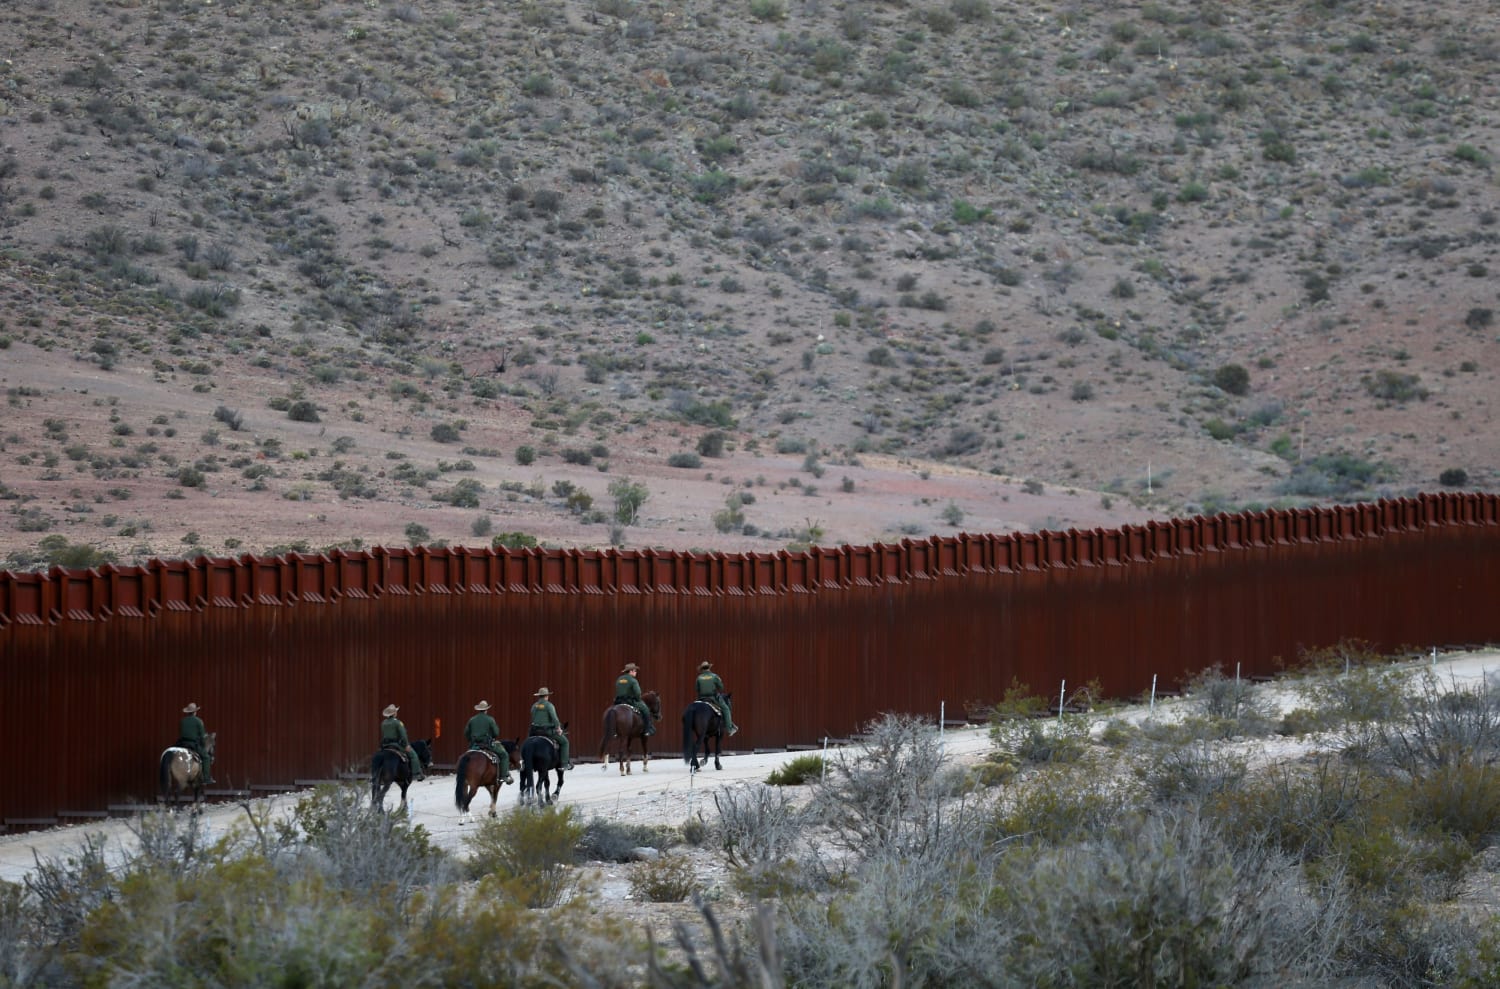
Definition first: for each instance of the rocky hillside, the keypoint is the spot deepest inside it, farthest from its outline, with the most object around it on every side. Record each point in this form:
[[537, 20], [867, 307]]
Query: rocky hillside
[[326, 272]]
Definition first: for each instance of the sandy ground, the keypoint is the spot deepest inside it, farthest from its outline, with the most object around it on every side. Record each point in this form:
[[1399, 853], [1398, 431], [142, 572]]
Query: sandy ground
[[665, 794]]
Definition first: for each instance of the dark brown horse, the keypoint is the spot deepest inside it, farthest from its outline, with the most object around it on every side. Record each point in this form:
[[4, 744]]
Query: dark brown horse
[[475, 772], [623, 725], [702, 723]]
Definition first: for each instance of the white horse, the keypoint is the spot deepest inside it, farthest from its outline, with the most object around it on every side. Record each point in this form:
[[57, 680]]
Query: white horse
[[182, 770]]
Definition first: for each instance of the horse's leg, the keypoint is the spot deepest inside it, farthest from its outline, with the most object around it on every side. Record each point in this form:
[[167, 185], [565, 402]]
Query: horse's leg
[[718, 748], [645, 753]]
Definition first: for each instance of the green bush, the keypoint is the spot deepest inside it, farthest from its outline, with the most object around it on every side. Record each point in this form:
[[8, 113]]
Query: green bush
[[684, 459], [525, 455], [802, 769], [513, 540], [302, 411], [604, 840], [669, 879], [1232, 378], [533, 853]]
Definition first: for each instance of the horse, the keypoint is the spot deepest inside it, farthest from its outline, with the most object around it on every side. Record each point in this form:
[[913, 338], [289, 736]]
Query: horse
[[539, 754], [476, 771], [702, 721], [181, 770], [622, 725], [390, 765]]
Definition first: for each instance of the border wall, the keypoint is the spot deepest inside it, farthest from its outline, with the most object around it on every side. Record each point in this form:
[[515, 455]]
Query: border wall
[[293, 657]]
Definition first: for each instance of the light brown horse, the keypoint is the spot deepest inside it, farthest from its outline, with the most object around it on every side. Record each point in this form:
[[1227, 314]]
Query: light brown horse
[[181, 771], [622, 725]]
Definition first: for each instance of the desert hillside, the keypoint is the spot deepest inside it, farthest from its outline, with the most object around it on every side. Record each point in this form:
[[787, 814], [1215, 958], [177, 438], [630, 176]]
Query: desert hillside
[[733, 276]]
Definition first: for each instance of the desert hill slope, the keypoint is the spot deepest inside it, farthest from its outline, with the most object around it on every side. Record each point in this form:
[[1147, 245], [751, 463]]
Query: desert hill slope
[[733, 276]]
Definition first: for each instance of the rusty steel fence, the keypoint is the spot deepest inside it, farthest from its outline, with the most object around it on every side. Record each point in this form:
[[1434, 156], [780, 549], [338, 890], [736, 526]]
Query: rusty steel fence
[[293, 657]]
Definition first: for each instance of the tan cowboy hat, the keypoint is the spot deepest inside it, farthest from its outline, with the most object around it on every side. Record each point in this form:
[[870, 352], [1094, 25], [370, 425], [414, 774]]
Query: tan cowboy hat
[[705, 666], [482, 706], [191, 709], [629, 668], [544, 692], [390, 710]]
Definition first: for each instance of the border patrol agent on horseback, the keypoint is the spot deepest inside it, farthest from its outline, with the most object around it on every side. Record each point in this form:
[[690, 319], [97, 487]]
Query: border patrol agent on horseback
[[544, 721], [711, 689], [628, 691], [393, 733], [481, 733], [193, 736]]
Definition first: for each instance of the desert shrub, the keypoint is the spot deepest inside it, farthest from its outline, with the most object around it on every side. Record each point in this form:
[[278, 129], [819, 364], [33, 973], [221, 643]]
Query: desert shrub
[[757, 827], [800, 770], [1165, 904], [1192, 773], [685, 459], [1460, 800], [603, 840], [1442, 728], [302, 411], [532, 853], [64, 890], [381, 859], [1042, 740], [513, 540], [711, 443], [669, 879], [525, 455], [1394, 386], [1297, 808], [1066, 805], [889, 792], [445, 432], [1453, 477], [1234, 703], [1232, 378]]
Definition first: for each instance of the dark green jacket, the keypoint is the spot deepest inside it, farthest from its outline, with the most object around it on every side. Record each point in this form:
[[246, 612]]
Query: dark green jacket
[[392, 730], [709, 684], [191, 733], [544, 715], [481, 731], [627, 687]]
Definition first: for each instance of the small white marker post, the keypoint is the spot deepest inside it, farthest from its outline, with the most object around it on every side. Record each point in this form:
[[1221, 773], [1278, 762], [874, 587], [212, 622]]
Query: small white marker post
[[1152, 708], [823, 773], [1062, 692], [942, 724], [1434, 657]]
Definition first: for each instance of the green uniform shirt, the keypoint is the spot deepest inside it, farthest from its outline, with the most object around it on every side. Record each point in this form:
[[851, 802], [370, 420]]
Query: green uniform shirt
[[481, 731], [191, 730], [544, 715], [708, 683], [628, 687], [392, 730]]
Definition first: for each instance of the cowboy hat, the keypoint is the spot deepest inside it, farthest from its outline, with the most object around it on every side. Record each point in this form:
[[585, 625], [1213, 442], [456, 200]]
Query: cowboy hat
[[390, 710], [630, 668], [191, 709], [705, 665], [542, 693], [482, 706]]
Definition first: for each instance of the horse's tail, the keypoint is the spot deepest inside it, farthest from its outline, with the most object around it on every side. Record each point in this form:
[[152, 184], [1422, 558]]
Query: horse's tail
[[165, 772], [461, 784], [688, 744], [608, 733]]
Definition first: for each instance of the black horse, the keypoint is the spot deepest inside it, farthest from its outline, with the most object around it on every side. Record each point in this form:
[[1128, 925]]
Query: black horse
[[390, 765], [700, 723], [539, 755]]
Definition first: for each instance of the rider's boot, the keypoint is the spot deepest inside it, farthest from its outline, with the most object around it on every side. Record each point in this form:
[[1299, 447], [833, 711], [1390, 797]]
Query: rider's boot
[[650, 730]]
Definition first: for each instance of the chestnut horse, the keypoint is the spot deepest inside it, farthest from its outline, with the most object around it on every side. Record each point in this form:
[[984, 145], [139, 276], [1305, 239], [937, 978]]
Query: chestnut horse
[[622, 725]]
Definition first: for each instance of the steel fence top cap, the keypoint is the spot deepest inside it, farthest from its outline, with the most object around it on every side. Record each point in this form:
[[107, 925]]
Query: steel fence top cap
[[390, 710], [544, 692], [482, 706], [191, 709]]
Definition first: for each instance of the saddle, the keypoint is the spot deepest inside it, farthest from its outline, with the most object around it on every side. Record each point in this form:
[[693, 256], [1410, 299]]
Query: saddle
[[546, 733], [492, 757], [395, 747]]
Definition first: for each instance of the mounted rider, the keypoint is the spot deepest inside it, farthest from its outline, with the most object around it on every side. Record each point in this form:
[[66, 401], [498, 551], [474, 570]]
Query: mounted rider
[[393, 735], [628, 691], [545, 722], [711, 689], [193, 736], [481, 733]]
